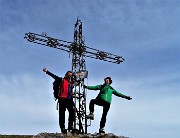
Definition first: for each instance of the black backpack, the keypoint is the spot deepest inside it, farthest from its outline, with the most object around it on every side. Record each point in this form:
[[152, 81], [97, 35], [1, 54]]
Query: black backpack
[[56, 87]]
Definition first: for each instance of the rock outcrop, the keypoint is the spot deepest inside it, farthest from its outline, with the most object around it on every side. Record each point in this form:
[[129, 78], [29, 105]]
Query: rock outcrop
[[73, 135]]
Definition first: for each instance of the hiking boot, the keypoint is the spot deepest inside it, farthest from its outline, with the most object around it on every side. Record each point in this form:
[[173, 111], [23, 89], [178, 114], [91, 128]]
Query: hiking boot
[[64, 131], [70, 128], [101, 130], [90, 116]]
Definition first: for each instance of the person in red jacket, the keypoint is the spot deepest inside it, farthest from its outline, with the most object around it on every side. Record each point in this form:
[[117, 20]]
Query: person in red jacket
[[65, 99]]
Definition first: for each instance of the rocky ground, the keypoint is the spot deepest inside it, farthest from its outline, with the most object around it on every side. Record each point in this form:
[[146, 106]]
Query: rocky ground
[[68, 135]]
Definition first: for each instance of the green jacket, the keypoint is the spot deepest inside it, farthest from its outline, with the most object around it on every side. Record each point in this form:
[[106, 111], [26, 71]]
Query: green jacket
[[106, 92]]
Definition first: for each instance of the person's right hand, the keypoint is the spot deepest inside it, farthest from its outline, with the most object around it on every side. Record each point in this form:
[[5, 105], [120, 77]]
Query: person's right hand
[[85, 86], [44, 69]]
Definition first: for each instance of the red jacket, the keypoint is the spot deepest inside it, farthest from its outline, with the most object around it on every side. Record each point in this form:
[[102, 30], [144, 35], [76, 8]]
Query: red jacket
[[66, 86], [66, 89]]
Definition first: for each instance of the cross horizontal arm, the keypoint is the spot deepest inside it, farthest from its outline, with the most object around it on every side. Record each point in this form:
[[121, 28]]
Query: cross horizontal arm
[[105, 56], [48, 41], [73, 48]]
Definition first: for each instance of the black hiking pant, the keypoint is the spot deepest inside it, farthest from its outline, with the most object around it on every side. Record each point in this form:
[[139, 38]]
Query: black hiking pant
[[106, 107], [68, 104]]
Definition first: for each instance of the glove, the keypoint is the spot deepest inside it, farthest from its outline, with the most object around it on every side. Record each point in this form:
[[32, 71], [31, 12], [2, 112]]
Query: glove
[[128, 97], [85, 86]]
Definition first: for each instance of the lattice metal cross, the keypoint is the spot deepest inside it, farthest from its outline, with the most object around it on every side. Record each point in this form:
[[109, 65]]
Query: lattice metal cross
[[79, 51]]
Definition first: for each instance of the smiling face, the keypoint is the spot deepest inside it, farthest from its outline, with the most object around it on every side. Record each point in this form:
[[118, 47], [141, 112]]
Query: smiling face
[[107, 80], [69, 74]]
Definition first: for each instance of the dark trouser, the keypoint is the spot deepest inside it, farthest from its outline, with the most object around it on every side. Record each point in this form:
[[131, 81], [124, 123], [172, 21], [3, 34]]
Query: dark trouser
[[63, 104], [106, 107]]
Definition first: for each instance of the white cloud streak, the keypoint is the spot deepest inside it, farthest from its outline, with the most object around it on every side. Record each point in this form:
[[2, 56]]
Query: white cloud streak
[[145, 33]]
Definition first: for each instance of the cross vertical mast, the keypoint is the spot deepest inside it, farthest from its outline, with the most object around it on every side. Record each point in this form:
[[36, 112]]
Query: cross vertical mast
[[78, 66]]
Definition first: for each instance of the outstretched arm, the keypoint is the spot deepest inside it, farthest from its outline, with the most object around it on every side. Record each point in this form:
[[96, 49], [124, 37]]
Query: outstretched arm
[[97, 87], [121, 95], [50, 74]]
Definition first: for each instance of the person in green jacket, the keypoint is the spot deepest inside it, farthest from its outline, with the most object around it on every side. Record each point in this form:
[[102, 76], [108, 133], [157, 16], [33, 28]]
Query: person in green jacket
[[103, 99]]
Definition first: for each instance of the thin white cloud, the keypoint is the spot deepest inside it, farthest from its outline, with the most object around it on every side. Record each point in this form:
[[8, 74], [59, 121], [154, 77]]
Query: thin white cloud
[[145, 33], [26, 101]]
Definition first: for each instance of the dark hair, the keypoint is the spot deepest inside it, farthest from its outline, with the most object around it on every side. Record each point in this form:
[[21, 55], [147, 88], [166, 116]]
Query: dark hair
[[67, 73], [109, 78]]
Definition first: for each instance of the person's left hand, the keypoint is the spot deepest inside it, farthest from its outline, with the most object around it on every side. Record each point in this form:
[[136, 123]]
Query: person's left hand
[[128, 97]]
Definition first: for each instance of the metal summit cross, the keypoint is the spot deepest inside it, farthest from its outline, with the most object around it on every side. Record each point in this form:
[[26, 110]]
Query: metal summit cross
[[79, 51]]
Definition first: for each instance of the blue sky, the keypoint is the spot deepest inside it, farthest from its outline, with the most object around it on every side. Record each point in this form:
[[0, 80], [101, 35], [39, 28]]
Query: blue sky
[[145, 32]]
